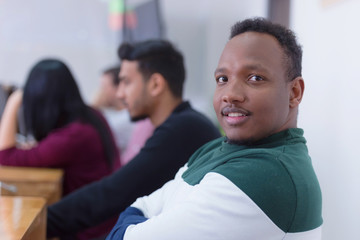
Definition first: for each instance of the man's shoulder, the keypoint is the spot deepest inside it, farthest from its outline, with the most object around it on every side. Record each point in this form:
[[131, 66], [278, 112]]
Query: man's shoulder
[[264, 164], [185, 130], [254, 169], [189, 118]]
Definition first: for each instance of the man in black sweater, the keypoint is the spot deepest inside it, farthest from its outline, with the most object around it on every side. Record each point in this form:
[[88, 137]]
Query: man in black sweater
[[151, 85]]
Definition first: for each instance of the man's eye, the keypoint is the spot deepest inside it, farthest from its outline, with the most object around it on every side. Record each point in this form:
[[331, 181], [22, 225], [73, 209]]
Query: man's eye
[[256, 78], [221, 79]]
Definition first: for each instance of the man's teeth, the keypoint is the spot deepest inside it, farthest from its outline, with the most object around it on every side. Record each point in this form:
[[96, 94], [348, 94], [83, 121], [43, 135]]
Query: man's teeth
[[236, 115]]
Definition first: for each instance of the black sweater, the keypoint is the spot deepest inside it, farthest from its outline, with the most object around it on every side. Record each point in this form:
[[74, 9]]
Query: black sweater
[[170, 147]]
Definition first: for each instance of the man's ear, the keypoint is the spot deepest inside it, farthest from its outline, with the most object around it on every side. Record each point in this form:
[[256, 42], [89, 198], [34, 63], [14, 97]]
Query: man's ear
[[297, 87], [157, 84]]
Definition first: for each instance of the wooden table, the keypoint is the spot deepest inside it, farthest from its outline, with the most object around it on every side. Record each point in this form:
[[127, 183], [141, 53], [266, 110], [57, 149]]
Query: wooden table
[[36, 182], [22, 218]]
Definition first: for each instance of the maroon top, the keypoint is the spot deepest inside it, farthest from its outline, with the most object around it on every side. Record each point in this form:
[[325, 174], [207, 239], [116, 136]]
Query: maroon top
[[75, 148]]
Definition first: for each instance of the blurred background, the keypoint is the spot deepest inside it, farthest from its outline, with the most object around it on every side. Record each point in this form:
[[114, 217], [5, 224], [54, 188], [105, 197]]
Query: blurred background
[[86, 34]]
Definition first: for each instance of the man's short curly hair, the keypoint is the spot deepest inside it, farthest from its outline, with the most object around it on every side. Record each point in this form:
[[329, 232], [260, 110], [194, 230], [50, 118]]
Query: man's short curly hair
[[285, 37]]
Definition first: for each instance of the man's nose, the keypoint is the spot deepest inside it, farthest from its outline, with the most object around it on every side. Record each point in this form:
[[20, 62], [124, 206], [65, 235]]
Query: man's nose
[[120, 91], [234, 92]]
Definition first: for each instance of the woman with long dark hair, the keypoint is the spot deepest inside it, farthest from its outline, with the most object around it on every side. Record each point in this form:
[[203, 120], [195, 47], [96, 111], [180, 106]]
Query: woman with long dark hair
[[68, 133]]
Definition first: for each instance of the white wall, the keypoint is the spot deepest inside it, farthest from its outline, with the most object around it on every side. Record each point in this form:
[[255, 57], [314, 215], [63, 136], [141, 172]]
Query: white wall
[[200, 29], [75, 31], [330, 113]]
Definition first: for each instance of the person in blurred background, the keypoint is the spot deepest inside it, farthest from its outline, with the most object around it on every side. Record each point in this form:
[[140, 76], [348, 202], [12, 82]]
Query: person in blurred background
[[112, 108], [129, 136], [152, 77], [69, 134]]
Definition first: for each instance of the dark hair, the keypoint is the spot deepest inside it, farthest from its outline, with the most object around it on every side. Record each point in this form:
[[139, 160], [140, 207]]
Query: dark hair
[[114, 73], [285, 37], [52, 99], [157, 56]]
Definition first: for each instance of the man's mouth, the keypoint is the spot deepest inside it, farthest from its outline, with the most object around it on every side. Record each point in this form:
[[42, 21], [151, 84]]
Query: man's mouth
[[234, 112], [234, 115]]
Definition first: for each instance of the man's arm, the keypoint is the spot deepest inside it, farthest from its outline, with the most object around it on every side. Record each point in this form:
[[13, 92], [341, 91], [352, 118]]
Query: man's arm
[[158, 161], [129, 217], [213, 209], [105, 199], [151, 205], [163, 154]]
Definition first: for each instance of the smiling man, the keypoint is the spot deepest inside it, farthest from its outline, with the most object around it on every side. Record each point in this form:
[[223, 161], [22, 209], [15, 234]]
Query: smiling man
[[256, 183]]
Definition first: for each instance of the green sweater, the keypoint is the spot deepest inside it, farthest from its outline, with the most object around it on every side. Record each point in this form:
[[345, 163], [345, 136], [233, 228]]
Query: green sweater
[[276, 173], [268, 190]]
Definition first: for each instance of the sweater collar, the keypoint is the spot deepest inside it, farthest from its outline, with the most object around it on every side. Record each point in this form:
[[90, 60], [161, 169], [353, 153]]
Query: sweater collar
[[182, 106], [291, 135]]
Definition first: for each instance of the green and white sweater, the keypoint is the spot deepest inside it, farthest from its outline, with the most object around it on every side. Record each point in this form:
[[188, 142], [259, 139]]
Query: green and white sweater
[[265, 191]]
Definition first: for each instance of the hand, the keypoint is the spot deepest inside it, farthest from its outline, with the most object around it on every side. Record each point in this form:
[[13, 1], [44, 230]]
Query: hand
[[27, 145]]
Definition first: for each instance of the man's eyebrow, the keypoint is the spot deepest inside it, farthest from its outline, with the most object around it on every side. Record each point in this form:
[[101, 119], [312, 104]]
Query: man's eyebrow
[[219, 70], [251, 67], [255, 67]]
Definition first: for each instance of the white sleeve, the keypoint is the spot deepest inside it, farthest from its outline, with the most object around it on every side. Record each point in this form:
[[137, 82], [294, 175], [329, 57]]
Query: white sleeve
[[211, 210], [152, 204]]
